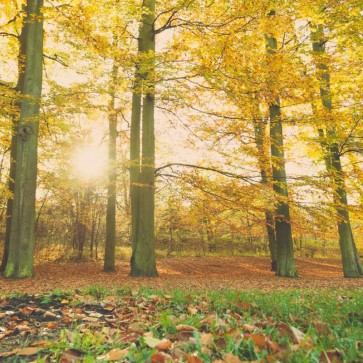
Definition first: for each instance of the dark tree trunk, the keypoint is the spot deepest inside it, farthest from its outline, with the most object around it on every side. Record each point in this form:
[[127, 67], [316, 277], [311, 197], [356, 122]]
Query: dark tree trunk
[[264, 161], [22, 229], [285, 250], [14, 140], [143, 261]]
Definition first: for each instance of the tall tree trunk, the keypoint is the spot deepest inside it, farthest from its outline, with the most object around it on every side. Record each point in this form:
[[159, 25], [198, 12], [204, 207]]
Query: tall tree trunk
[[22, 230], [110, 244], [264, 162], [9, 203], [352, 266], [143, 261], [285, 249], [13, 146], [135, 161]]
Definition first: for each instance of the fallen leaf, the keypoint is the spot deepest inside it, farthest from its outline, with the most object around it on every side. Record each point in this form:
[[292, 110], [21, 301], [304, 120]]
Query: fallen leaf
[[192, 310], [115, 355], [27, 310], [297, 334], [71, 356], [109, 307], [165, 344], [248, 328], [193, 358], [151, 341], [9, 353], [90, 319], [95, 315], [161, 357], [51, 325], [230, 358], [42, 344], [259, 340], [49, 314], [185, 335], [207, 339], [28, 351]]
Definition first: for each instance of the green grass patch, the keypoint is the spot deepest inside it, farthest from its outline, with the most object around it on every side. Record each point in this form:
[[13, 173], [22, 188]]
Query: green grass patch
[[149, 325]]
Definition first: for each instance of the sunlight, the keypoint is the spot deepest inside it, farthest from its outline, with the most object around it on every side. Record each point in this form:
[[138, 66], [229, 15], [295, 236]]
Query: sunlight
[[90, 162]]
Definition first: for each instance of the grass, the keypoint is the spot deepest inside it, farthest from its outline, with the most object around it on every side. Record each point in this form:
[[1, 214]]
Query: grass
[[246, 325]]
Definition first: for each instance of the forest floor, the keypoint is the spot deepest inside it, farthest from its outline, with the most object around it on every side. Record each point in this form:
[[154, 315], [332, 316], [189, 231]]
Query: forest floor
[[200, 310], [195, 273]]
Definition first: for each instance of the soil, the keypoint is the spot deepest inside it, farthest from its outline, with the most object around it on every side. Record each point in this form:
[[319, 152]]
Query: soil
[[197, 273]]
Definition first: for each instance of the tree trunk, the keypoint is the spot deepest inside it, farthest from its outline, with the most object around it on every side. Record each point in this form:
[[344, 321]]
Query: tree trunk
[[143, 261], [22, 229], [285, 250], [352, 266], [110, 244], [13, 146], [264, 162], [9, 203]]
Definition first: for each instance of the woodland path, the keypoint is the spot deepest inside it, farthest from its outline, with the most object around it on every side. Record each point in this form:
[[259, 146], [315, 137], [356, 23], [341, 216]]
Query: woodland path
[[197, 273]]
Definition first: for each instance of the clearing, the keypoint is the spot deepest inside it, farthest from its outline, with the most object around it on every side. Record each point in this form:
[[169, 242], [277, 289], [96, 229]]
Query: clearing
[[196, 273]]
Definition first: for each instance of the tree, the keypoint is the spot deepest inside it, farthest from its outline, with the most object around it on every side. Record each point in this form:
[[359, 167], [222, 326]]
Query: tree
[[19, 263], [142, 175], [264, 161], [13, 147], [285, 250], [352, 266], [110, 243]]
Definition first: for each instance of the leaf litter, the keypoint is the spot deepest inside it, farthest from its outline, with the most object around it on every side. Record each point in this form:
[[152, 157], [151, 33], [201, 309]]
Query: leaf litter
[[132, 325]]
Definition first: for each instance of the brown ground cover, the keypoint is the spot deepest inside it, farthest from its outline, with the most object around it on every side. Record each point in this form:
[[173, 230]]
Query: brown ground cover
[[197, 273]]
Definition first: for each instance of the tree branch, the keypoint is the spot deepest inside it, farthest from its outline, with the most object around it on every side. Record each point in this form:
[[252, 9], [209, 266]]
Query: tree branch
[[225, 173], [56, 59]]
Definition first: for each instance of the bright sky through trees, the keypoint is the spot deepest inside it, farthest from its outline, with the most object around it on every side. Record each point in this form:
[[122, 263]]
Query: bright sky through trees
[[90, 162]]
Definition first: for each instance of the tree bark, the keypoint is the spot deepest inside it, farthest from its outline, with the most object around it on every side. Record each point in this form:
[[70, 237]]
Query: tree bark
[[143, 261], [264, 162], [13, 146], [352, 266], [22, 228], [285, 250], [110, 244]]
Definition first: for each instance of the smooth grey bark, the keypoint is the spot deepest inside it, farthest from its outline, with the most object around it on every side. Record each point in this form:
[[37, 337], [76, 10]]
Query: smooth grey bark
[[285, 249], [110, 243], [352, 266], [264, 161], [143, 262], [22, 230]]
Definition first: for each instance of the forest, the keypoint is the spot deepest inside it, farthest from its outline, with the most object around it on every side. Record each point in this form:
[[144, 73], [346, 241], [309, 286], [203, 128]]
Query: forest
[[208, 143]]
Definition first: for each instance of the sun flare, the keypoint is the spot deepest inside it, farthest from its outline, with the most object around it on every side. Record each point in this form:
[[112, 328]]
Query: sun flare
[[90, 162]]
